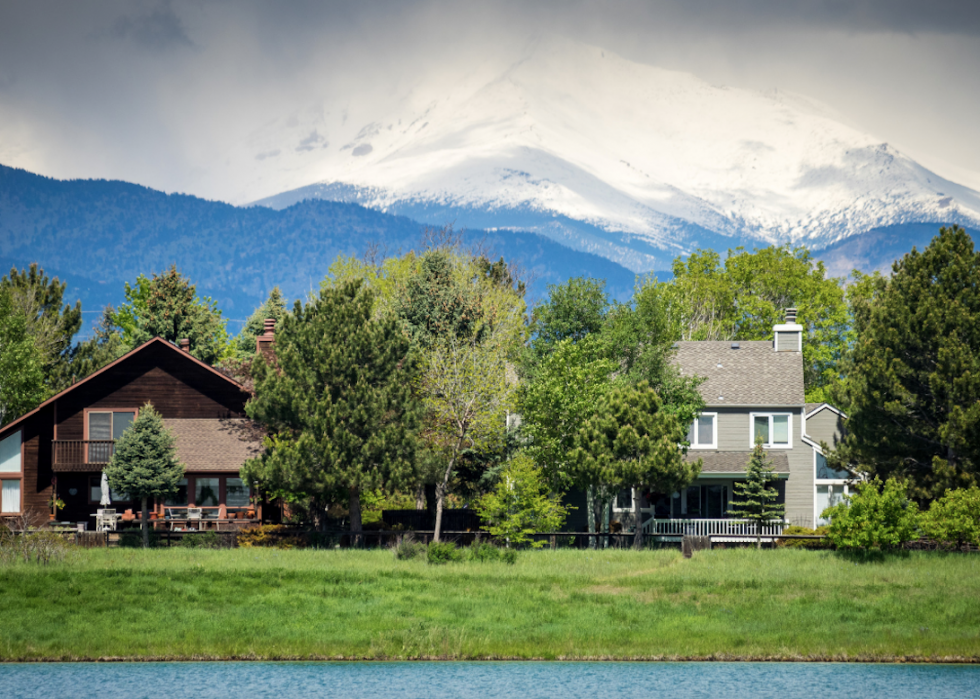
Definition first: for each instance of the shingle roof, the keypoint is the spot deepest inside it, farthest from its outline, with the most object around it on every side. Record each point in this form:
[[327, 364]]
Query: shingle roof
[[214, 445], [734, 461], [754, 374]]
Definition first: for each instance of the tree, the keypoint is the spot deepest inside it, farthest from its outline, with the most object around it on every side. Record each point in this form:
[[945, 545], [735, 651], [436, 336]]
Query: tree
[[52, 326], [754, 499], [273, 307], [467, 394], [954, 519], [144, 463], [22, 385], [876, 518], [914, 374], [339, 399], [167, 306], [573, 310], [521, 504], [629, 441], [105, 346]]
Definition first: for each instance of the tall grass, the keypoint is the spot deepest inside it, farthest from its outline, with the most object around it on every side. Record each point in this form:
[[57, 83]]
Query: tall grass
[[262, 603]]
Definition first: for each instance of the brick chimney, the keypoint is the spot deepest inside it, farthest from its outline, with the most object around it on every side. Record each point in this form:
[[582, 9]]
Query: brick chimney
[[788, 336], [265, 341], [185, 345]]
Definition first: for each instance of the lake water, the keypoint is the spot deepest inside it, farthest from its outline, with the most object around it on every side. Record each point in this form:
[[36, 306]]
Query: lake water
[[514, 680]]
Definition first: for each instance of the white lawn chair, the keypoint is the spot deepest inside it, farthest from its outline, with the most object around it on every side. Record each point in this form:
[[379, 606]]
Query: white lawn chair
[[194, 515], [105, 520]]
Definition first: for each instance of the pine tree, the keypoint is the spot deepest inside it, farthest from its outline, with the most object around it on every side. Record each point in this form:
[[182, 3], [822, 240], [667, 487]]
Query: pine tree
[[755, 499], [340, 402], [273, 307], [144, 463], [914, 375], [631, 442]]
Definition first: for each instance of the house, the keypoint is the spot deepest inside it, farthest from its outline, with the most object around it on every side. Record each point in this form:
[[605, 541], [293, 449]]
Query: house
[[60, 448], [752, 391]]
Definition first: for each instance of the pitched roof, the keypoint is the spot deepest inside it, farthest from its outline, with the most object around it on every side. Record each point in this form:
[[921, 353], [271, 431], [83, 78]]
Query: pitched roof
[[110, 365], [734, 461], [752, 375], [214, 445]]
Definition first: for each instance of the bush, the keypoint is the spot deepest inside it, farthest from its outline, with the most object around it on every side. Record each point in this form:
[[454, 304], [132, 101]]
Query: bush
[[804, 543], [408, 548], [133, 539], [878, 517], [204, 540], [440, 553], [953, 520], [267, 536], [34, 546], [486, 553], [508, 556]]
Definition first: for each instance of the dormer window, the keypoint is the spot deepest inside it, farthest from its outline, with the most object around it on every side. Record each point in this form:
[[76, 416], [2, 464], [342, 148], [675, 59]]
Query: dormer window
[[773, 430], [703, 433]]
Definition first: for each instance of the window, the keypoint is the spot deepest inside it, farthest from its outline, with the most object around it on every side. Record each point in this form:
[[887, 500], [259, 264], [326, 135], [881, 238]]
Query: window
[[827, 496], [826, 473], [773, 430], [206, 492], [95, 492], [180, 498], [831, 487], [10, 454], [703, 432], [106, 426], [236, 493], [10, 501]]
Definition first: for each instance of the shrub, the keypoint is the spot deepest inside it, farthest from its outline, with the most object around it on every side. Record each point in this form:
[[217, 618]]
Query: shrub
[[133, 538], [483, 553], [804, 543], [408, 548], [878, 517], [267, 535], [508, 556], [204, 540], [33, 546], [439, 553], [954, 519]]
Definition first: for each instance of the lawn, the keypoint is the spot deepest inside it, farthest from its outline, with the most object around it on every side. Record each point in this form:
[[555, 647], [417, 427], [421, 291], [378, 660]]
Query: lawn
[[265, 603]]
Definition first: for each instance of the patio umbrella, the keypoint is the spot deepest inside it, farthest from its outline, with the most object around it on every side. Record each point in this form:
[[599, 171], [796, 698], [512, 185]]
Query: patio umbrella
[[105, 501]]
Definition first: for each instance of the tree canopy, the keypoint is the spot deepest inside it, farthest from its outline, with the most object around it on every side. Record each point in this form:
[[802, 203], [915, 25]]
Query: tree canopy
[[274, 307], [22, 385]]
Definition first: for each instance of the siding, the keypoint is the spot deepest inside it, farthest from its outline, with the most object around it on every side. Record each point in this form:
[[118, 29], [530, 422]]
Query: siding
[[826, 426]]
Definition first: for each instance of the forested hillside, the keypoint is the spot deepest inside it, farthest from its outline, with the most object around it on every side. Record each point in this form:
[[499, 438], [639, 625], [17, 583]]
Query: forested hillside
[[96, 234]]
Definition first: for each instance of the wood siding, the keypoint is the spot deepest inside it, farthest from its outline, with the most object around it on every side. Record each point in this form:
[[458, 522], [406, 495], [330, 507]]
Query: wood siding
[[826, 426]]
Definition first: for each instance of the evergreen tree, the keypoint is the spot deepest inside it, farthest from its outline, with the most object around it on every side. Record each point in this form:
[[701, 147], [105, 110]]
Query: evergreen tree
[[755, 499], [631, 442], [273, 307], [144, 463], [105, 346], [167, 306], [914, 374], [339, 399], [51, 325], [22, 385]]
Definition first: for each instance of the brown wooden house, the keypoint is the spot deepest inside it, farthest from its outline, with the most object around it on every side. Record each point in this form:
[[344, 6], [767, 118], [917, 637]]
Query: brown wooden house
[[60, 448]]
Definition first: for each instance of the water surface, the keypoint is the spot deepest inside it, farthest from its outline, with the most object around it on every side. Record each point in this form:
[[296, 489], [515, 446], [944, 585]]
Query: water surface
[[512, 680]]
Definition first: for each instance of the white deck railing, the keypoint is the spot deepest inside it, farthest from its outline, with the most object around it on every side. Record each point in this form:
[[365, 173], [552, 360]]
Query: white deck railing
[[711, 527]]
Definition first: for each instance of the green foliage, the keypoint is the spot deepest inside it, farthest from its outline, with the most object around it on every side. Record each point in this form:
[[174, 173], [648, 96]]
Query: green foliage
[[167, 306], [144, 463], [521, 504], [408, 548], [266, 536], [37, 546], [22, 385], [630, 441], [742, 297], [339, 399], [954, 519], [878, 517], [204, 540], [105, 346], [573, 311], [755, 499], [914, 375], [804, 543], [273, 307], [38, 300], [440, 553]]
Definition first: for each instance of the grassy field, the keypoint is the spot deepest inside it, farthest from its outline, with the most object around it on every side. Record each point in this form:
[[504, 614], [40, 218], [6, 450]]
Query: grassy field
[[262, 603]]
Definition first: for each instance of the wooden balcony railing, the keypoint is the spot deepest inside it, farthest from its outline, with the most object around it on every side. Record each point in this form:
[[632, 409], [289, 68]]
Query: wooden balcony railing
[[74, 454]]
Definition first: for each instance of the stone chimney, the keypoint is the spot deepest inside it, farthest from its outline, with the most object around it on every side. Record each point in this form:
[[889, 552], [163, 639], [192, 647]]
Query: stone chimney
[[788, 336], [264, 342], [185, 345]]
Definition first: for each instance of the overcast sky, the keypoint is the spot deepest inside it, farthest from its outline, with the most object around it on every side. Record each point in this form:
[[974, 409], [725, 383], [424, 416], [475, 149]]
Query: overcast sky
[[157, 92]]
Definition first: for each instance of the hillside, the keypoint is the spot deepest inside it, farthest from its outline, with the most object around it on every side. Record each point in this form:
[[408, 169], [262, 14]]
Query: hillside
[[97, 234]]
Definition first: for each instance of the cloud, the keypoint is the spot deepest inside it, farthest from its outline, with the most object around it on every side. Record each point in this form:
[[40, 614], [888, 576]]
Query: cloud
[[314, 140], [159, 29]]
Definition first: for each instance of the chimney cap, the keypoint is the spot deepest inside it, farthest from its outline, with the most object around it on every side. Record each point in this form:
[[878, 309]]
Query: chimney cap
[[269, 326], [185, 344], [790, 315]]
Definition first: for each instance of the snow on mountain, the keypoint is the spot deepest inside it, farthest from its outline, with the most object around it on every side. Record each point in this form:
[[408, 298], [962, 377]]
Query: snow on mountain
[[627, 160]]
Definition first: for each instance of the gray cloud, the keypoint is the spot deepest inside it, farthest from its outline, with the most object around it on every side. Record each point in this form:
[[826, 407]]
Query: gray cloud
[[110, 89]]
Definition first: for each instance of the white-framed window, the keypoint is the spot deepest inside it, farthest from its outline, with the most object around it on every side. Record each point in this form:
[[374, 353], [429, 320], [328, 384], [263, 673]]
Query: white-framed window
[[703, 433], [10, 466], [774, 430], [830, 487], [10, 498]]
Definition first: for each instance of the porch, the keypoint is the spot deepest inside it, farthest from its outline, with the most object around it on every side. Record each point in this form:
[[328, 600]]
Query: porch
[[734, 530]]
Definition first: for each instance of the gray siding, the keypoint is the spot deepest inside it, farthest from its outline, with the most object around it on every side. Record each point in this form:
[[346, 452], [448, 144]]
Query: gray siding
[[826, 426]]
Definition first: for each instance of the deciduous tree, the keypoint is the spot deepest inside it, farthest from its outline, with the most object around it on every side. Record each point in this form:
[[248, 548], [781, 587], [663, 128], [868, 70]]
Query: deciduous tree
[[22, 385]]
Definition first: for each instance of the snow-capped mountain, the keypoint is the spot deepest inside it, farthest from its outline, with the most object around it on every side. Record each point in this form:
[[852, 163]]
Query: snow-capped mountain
[[630, 161]]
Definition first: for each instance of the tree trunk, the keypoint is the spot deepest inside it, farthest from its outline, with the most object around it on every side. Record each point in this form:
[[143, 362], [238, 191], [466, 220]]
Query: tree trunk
[[758, 534], [441, 489], [420, 497], [354, 506], [606, 515], [590, 506], [637, 524], [146, 524]]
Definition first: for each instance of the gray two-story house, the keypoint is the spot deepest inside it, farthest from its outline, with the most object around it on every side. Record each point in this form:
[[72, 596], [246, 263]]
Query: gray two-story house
[[753, 391]]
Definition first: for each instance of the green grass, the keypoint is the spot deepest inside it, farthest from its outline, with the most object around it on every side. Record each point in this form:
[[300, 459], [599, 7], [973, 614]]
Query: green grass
[[262, 603]]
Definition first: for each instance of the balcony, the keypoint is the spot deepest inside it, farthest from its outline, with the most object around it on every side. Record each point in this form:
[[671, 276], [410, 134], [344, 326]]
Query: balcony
[[81, 454], [722, 529]]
